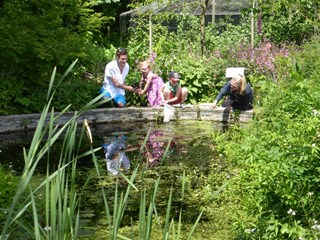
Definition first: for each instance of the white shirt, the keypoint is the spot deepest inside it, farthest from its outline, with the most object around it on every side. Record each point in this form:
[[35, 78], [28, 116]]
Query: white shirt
[[112, 69]]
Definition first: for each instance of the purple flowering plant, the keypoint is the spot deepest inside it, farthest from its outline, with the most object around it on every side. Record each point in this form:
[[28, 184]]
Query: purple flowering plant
[[262, 59]]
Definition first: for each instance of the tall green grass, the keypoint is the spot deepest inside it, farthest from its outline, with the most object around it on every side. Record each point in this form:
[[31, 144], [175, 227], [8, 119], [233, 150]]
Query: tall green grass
[[58, 215]]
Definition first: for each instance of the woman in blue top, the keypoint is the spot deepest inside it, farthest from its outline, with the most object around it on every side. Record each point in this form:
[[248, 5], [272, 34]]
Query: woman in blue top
[[240, 94]]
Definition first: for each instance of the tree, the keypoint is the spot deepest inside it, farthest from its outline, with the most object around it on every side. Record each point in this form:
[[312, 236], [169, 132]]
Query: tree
[[204, 6], [289, 20], [37, 35]]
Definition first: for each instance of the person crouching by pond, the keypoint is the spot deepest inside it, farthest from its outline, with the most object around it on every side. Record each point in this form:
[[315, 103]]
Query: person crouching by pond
[[151, 84], [240, 94], [114, 86], [172, 91]]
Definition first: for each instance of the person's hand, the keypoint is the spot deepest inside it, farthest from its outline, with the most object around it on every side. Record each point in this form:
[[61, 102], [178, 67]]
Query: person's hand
[[132, 89], [214, 104], [115, 81]]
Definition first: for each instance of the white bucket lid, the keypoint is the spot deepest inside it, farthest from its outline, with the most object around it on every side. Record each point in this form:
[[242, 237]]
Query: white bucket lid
[[234, 71]]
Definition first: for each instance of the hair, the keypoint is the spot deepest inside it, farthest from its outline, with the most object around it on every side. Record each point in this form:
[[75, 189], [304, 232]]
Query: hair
[[121, 51], [241, 80], [145, 63]]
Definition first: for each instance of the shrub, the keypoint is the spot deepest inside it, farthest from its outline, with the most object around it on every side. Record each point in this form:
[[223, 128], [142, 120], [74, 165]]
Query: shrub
[[275, 160]]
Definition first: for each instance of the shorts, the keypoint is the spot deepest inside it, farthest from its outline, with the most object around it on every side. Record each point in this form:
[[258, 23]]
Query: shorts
[[177, 101], [118, 98]]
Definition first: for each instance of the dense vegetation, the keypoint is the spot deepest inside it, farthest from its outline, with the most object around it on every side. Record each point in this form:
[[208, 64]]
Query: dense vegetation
[[274, 162], [266, 185], [36, 36]]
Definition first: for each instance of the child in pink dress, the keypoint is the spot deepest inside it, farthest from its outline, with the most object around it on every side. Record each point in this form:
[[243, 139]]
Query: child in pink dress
[[153, 85]]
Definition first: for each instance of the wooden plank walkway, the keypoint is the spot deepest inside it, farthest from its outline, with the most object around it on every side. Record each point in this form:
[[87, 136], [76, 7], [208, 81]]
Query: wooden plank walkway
[[14, 123]]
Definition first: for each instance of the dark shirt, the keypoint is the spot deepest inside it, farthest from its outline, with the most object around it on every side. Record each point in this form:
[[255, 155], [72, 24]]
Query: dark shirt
[[242, 101]]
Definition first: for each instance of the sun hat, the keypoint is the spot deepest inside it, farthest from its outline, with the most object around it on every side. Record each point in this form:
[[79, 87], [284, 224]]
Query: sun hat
[[174, 75]]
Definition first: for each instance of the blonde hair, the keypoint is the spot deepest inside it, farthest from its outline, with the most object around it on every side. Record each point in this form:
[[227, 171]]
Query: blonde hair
[[146, 63], [241, 81]]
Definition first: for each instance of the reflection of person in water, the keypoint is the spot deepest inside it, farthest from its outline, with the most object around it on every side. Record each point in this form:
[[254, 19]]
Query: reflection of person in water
[[116, 158], [155, 147]]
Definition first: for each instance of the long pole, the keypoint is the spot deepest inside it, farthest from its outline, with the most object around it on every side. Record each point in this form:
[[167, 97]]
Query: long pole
[[150, 33], [213, 13], [252, 25]]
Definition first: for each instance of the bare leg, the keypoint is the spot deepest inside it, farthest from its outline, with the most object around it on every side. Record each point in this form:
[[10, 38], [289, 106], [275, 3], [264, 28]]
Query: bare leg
[[184, 94], [120, 105], [166, 94]]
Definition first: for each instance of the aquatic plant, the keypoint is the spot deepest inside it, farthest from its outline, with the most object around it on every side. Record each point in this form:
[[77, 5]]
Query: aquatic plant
[[61, 203], [57, 215]]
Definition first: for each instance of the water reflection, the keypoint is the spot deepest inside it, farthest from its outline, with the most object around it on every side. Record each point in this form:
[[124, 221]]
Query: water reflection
[[156, 145], [179, 135], [116, 157], [169, 149], [152, 149]]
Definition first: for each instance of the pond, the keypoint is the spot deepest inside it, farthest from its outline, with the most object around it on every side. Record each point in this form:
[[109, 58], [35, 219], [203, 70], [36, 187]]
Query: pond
[[169, 152]]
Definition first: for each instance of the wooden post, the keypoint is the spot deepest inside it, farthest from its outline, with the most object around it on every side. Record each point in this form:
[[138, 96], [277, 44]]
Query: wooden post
[[213, 13], [252, 25], [150, 33], [204, 5], [252, 30]]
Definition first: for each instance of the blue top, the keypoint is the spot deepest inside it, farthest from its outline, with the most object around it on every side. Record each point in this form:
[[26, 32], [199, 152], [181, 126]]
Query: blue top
[[242, 101]]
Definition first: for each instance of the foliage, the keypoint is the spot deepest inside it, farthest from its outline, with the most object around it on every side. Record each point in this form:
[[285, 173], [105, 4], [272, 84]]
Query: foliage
[[8, 185], [289, 20], [179, 50], [62, 202], [35, 36], [263, 60], [274, 161], [61, 199]]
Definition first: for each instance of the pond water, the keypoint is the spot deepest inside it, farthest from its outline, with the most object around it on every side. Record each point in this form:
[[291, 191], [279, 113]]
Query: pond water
[[133, 135], [166, 149]]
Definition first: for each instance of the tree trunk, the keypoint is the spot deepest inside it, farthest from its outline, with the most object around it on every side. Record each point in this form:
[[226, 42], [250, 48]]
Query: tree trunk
[[204, 5]]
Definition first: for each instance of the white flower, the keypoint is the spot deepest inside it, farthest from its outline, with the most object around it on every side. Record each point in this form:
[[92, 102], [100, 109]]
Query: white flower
[[316, 227], [310, 194], [291, 212], [313, 145], [47, 228], [315, 112]]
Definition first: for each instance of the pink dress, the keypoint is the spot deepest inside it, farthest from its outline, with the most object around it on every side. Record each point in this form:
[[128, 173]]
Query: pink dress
[[154, 94]]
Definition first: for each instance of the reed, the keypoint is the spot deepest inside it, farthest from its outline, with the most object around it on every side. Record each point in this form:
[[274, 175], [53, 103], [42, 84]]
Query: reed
[[62, 203], [61, 200]]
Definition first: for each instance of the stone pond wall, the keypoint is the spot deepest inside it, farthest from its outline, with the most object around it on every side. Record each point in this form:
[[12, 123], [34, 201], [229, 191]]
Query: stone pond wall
[[26, 122]]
